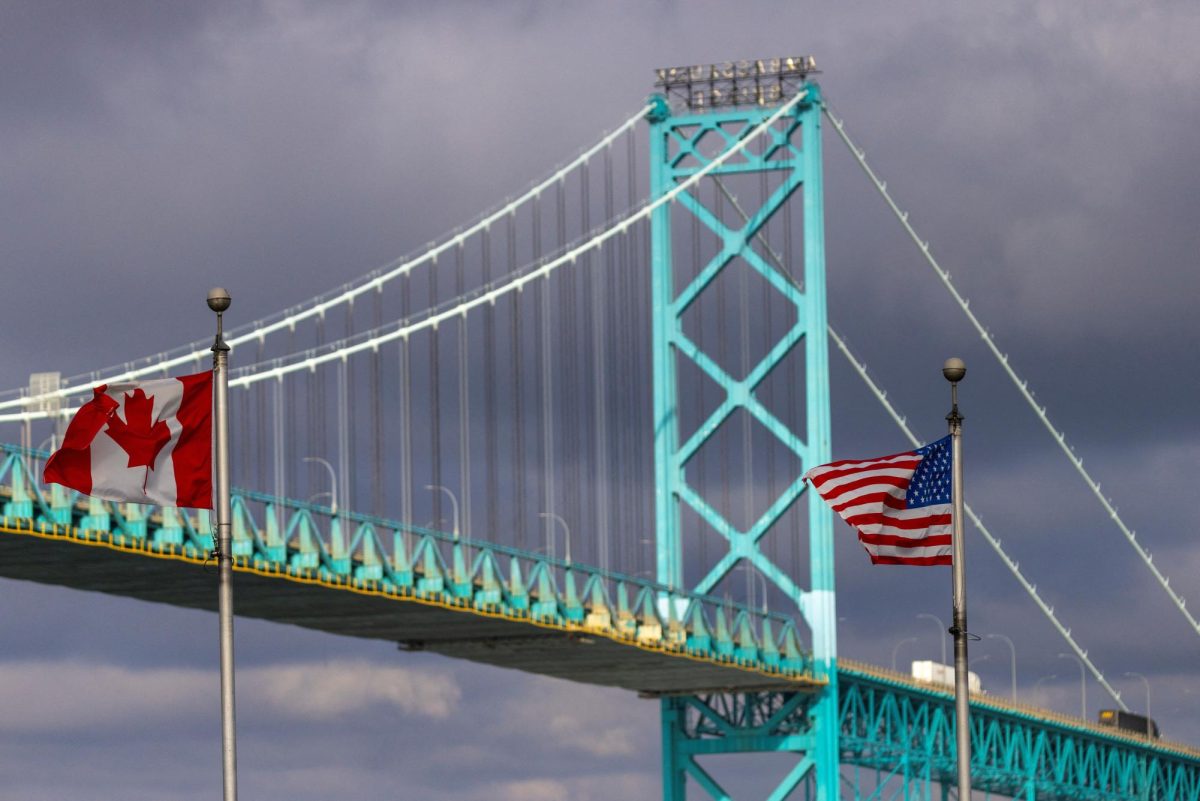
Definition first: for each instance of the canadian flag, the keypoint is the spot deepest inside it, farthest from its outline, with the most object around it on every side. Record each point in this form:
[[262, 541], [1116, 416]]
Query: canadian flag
[[145, 442]]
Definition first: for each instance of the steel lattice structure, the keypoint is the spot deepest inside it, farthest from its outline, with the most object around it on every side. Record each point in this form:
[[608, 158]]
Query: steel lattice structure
[[287, 549], [904, 733], [792, 152]]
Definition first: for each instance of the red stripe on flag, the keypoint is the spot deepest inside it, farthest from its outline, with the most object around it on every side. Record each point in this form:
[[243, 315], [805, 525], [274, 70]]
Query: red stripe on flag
[[923, 561], [192, 456], [932, 541], [907, 524], [868, 481], [885, 498], [868, 464], [878, 472]]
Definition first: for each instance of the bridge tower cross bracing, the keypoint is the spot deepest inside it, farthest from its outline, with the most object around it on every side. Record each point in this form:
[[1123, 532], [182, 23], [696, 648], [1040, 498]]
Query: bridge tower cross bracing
[[802, 723]]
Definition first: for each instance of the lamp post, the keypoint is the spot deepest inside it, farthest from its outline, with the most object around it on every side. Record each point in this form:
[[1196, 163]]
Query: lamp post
[[1146, 682], [550, 534], [749, 569], [1012, 648], [896, 649], [941, 631], [453, 504], [1038, 684], [52, 441], [333, 507], [1082, 684]]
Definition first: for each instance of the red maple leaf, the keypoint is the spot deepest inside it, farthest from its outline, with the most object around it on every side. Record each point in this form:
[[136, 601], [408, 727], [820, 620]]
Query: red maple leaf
[[135, 435]]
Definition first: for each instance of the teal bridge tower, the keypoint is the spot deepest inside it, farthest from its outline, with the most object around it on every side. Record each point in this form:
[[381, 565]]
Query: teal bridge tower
[[715, 108]]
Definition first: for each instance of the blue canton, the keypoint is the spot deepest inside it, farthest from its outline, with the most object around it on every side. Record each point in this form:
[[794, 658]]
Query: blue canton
[[931, 482]]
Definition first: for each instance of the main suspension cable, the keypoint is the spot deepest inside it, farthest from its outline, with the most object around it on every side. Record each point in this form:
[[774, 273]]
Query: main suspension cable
[[1022, 385], [902, 422], [1011, 564], [321, 304]]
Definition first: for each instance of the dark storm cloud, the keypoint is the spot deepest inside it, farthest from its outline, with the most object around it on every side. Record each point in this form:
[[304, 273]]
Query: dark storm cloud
[[1048, 154]]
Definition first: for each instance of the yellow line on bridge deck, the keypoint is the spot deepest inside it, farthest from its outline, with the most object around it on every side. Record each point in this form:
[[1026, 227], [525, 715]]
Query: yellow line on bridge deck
[[1005, 704], [493, 634]]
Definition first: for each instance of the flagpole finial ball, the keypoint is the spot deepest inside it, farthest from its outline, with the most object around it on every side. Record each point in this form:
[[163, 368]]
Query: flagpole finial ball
[[954, 369], [218, 299]]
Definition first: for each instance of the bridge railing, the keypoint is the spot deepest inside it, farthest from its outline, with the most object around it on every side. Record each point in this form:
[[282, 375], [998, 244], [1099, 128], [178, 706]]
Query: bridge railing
[[302, 539], [892, 722]]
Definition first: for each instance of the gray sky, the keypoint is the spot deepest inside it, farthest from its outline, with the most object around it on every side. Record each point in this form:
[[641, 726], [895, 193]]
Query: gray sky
[[1047, 152]]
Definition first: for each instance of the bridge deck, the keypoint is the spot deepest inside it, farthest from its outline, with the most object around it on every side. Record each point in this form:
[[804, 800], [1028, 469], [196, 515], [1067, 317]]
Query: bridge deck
[[985, 702], [493, 633]]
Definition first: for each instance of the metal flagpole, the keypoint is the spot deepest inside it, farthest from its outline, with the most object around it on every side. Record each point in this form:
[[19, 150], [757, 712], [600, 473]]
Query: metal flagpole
[[954, 370], [218, 301]]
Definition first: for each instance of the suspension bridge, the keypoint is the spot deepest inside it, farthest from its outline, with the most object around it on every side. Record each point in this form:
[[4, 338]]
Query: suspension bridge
[[568, 438]]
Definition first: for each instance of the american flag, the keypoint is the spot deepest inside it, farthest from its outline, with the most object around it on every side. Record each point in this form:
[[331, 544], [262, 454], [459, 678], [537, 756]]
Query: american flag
[[900, 504]]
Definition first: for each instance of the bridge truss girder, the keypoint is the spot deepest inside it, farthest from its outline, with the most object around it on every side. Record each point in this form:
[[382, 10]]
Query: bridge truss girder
[[905, 735], [791, 149]]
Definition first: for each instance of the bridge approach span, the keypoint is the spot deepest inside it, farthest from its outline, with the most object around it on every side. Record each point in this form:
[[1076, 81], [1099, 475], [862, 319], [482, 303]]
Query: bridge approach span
[[297, 563]]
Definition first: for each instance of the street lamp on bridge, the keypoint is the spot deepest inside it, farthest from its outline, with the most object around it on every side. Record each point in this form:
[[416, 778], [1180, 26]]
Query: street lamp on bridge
[[896, 649], [1082, 684], [1037, 685], [941, 630], [453, 504], [333, 506], [550, 533], [1146, 682], [1013, 649]]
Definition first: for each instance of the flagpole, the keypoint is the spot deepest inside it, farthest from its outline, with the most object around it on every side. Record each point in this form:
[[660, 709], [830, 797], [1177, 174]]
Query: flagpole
[[953, 371], [218, 301]]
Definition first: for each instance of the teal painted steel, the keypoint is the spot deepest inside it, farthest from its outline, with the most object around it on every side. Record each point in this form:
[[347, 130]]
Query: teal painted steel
[[793, 152], [904, 733], [895, 735], [349, 549]]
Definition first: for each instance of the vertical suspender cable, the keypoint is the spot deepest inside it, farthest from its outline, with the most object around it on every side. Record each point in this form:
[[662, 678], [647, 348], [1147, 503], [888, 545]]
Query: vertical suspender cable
[[491, 478], [406, 461], [518, 428], [435, 406], [292, 433], [246, 440], [793, 379], [748, 494], [643, 422], [280, 464], [636, 435], [601, 293], [723, 360], [622, 370], [319, 412], [347, 491], [769, 339], [260, 427], [584, 466], [542, 375], [343, 439], [568, 398], [376, 390], [548, 465], [464, 401]]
